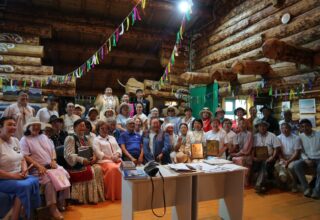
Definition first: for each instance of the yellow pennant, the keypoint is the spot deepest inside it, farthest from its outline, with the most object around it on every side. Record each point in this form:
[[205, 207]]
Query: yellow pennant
[[128, 23], [143, 4]]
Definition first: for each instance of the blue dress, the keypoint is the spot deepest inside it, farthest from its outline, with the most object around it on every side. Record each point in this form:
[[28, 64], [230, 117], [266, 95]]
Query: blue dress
[[27, 190]]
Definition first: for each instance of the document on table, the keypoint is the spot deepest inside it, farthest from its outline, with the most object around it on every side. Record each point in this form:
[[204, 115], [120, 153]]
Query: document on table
[[180, 167], [217, 161], [214, 168]]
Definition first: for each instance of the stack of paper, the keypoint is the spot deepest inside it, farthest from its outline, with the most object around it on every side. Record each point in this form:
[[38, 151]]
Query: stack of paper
[[180, 167], [217, 161]]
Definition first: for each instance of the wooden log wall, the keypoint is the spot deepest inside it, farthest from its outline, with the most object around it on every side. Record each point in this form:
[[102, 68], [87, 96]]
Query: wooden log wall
[[20, 59], [241, 36]]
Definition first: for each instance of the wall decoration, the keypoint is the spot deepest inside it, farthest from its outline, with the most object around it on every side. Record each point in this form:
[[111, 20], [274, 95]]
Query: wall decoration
[[307, 106], [286, 105]]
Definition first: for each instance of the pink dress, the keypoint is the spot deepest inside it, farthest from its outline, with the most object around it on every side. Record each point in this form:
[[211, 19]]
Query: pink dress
[[41, 149]]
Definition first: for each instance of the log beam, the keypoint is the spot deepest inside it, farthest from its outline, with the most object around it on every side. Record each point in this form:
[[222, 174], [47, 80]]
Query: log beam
[[71, 24], [20, 60], [207, 78], [251, 67], [279, 50], [28, 78], [26, 70], [19, 39], [150, 83], [161, 94], [21, 50]]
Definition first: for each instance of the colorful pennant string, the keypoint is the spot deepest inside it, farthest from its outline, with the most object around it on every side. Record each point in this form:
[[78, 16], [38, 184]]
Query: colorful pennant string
[[175, 51], [94, 60]]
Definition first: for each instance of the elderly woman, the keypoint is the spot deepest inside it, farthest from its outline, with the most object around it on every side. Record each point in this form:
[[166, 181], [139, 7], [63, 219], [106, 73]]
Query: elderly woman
[[126, 99], [182, 148], [154, 113], [109, 155], [39, 150], [109, 113], [93, 114], [123, 116], [14, 180], [86, 176], [243, 156], [169, 129]]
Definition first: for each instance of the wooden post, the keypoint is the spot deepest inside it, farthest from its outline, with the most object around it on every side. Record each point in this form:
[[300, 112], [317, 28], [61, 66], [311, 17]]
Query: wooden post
[[279, 50]]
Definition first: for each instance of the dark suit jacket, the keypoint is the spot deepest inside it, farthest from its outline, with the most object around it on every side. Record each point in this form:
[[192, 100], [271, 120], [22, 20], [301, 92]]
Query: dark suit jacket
[[161, 144]]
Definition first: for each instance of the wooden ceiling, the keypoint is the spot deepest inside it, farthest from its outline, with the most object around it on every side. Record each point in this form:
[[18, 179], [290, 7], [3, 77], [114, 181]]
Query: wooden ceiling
[[79, 27]]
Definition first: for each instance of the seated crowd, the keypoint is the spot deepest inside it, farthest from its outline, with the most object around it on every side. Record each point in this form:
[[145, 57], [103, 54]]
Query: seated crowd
[[88, 150]]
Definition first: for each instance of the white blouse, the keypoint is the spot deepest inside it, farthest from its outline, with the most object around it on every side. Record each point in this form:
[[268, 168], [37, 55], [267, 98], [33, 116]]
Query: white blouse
[[10, 155], [107, 146]]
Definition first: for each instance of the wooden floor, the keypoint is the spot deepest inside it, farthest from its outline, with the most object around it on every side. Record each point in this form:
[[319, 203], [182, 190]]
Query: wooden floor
[[275, 205]]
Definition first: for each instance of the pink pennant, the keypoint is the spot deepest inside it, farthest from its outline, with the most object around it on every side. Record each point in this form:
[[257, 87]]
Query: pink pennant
[[117, 35], [136, 14]]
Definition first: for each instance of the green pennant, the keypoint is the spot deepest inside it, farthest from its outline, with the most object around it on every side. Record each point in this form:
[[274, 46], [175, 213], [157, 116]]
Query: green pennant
[[188, 15], [133, 20], [172, 59], [114, 43], [178, 38], [270, 91], [88, 65]]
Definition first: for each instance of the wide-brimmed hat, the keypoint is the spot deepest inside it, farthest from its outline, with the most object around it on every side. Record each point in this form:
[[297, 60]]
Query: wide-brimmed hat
[[240, 108], [83, 109], [181, 157], [109, 110], [260, 121], [154, 110], [93, 109], [54, 118], [123, 104], [32, 121], [219, 109], [205, 109], [165, 111], [47, 126], [266, 107], [168, 125]]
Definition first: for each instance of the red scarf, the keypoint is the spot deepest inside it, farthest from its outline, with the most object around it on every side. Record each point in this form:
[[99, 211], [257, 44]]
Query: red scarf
[[206, 124]]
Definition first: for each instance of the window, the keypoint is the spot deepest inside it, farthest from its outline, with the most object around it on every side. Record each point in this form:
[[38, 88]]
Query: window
[[231, 105]]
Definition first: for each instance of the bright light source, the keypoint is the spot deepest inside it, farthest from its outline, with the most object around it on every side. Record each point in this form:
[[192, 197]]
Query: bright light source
[[185, 6]]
